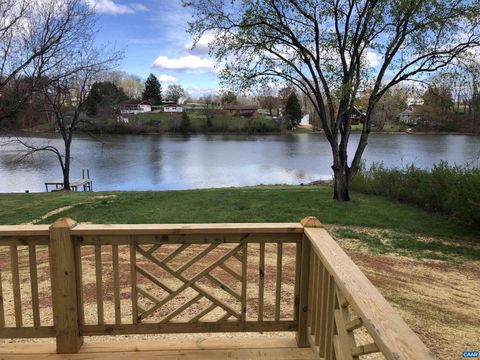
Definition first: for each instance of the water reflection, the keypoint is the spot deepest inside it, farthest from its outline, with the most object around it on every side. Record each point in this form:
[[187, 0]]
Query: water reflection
[[151, 162]]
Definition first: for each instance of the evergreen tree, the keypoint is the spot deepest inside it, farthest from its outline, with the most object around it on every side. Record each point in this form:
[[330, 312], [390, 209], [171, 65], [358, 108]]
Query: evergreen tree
[[229, 98], [153, 90], [104, 98], [293, 110]]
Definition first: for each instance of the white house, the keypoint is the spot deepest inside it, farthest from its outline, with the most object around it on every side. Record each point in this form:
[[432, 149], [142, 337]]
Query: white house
[[409, 117], [172, 109], [142, 107]]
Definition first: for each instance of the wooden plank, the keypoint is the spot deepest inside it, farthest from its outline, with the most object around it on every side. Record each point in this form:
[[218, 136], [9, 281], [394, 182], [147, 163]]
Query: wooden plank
[[190, 342], [99, 284], [365, 349], [224, 286], [17, 299], [153, 279], [180, 229], [231, 272], [32, 257], [344, 340], [27, 333], [310, 289], [305, 292], [392, 335], [236, 354], [261, 281], [322, 307], [133, 281], [244, 282], [354, 324], [149, 296], [64, 288], [79, 283], [203, 313], [278, 282], [116, 285], [197, 327], [181, 308], [174, 253], [197, 258], [24, 230], [190, 239], [23, 240], [154, 248], [2, 310], [316, 294], [330, 318], [298, 267]]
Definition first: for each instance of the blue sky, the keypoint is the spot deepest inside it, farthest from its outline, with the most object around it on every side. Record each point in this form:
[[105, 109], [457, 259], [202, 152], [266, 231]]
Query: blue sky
[[153, 34]]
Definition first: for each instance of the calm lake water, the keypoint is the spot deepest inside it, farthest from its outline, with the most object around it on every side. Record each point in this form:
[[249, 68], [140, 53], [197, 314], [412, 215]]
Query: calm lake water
[[155, 162]]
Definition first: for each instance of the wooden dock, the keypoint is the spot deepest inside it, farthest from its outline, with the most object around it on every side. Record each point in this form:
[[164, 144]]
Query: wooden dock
[[74, 184]]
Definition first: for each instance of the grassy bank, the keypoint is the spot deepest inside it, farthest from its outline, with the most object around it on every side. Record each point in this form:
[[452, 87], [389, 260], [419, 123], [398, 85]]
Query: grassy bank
[[158, 122], [403, 227], [448, 189]]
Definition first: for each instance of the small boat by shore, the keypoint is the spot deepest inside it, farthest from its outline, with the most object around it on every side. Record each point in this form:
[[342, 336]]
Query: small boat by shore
[[409, 131]]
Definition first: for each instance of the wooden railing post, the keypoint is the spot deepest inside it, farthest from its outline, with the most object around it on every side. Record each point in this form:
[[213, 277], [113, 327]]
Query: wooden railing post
[[64, 292], [303, 306]]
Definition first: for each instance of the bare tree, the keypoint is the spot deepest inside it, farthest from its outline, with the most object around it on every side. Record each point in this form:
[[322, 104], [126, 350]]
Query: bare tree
[[65, 88], [333, 50], [34, 35], [267, 98]]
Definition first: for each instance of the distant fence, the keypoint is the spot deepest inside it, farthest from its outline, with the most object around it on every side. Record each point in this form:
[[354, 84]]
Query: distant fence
[[150, 279]]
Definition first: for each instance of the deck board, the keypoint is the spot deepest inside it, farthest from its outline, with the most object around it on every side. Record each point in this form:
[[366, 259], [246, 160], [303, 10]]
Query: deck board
[[194, 347]]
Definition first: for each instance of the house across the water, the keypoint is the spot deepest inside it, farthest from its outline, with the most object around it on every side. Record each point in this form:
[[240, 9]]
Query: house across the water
[[172, 108], [410, 117], [357, 116], [142, 107], [240, 110]]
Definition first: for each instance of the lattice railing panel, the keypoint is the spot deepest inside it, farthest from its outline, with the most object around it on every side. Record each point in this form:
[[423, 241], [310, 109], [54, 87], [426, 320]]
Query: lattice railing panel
[[187, 283], [179, 283]]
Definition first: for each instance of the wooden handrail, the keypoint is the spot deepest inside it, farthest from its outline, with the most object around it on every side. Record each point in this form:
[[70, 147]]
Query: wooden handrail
[[187, 229], [390, 333]]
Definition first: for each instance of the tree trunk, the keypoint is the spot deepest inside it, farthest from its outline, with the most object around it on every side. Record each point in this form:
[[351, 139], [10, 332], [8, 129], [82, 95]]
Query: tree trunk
[[66, 168], [341, 179]]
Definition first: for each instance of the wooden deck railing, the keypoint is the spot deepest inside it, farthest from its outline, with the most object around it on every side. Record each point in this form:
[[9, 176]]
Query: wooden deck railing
[[150, 279]]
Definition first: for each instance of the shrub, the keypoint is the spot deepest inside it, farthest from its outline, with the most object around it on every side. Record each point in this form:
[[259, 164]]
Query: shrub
[[185, 123], [447, 189]]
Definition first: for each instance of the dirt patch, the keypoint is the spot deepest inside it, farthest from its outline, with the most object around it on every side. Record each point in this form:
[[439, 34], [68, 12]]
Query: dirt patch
[[65, 208], [439, 300]]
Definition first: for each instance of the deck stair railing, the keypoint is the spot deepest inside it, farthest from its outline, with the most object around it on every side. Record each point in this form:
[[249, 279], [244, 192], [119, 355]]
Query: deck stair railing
[[71, 280]]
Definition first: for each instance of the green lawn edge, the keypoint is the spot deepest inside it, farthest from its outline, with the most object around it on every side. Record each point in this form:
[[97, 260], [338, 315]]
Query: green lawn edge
[[220, 205]]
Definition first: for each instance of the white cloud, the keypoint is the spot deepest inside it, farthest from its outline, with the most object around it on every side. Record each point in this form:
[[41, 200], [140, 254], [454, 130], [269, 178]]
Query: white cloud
[[202, 44], [373, 58], [197, 91], [167, 79], [189, 62], [110, 7]]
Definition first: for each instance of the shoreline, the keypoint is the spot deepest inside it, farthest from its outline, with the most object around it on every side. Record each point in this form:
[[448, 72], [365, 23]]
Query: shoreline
[[298, 131]]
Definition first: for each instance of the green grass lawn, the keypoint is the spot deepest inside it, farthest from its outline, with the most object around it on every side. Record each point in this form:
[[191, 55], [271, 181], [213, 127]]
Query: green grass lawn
[[250, 204], [379, 224]]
